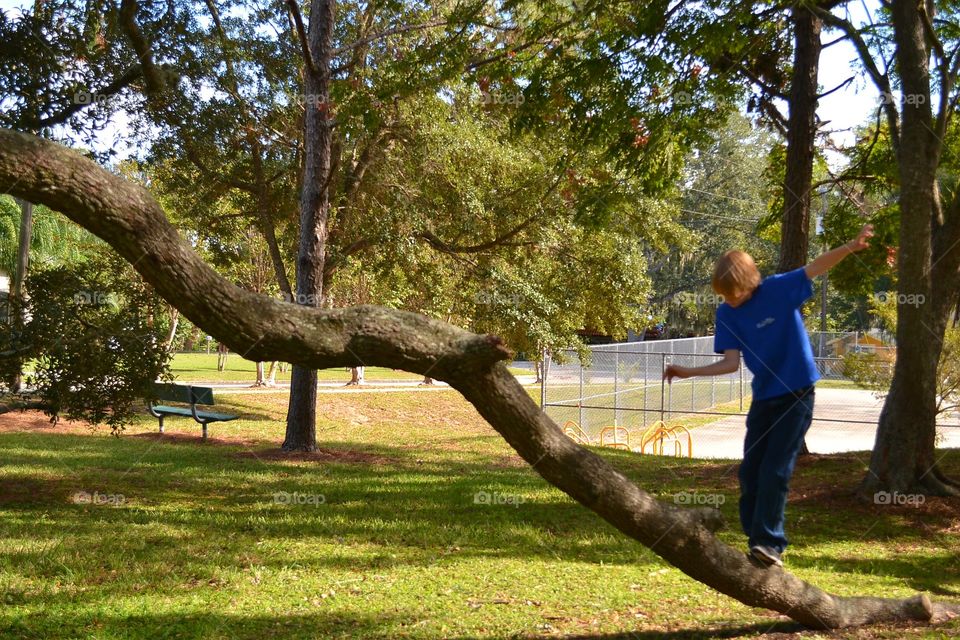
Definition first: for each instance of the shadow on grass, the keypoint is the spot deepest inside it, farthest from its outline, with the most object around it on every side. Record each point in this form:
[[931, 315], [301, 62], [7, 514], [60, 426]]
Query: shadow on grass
[[181, 500], [189, 626], [693, 634]]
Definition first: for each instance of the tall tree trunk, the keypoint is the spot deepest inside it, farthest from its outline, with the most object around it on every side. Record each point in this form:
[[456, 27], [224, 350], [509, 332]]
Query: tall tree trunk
[[801, 136], [18, 291], [314, 209], [904, 457]]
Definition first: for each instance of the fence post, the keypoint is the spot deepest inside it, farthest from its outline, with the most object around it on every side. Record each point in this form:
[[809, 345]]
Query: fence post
[[663, 381], [543, 378], [693, 393], [580, 402], [646, 365], [616, 387], [741, 387], [713, 391]]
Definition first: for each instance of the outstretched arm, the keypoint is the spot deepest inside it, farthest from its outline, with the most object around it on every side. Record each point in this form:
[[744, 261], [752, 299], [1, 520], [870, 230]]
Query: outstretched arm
[[830, 259], [729, 364]]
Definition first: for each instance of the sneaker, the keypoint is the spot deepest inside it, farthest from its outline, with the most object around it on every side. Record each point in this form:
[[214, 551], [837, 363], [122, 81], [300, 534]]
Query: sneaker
[[766, 555]]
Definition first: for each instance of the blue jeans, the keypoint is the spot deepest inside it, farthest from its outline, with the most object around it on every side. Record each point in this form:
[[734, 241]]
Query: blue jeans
[[775, 431]]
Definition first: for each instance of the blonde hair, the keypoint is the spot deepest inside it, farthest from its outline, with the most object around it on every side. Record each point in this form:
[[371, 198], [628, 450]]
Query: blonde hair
[[735, 273]]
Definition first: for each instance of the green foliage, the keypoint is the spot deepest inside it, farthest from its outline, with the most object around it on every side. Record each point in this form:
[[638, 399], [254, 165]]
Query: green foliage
[[723, 196], [94, 334], [875, 370], [55, 240]]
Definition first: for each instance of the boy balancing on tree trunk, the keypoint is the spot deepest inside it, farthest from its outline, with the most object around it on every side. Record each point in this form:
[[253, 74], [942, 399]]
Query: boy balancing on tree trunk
[[762, 320]]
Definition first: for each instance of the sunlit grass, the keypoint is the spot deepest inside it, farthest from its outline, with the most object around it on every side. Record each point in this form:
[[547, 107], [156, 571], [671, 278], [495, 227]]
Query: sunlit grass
[[416, 521]]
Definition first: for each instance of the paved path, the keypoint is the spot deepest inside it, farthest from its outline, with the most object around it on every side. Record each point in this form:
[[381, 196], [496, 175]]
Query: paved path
[[370, 386], [724, 438]]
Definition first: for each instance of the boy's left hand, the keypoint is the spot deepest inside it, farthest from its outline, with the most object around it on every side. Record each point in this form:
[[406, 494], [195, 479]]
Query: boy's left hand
[[862, 241]]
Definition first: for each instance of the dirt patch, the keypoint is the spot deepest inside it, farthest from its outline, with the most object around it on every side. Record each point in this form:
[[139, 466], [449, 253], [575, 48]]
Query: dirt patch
[[19, 421], [31, 491]]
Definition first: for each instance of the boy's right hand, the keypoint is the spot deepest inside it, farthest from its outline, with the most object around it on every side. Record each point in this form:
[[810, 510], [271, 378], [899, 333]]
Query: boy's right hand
[[674, 371]]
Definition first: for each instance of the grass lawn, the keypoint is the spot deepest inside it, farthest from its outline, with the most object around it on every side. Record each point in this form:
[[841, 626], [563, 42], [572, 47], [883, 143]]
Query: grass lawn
[[202, 367], [416, 520]]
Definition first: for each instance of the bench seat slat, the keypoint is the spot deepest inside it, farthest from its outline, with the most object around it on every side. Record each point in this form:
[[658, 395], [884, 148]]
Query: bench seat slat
[[206, 415]]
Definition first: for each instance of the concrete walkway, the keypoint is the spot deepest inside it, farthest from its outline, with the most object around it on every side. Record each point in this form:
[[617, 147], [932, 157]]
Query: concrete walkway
[[724, 438]]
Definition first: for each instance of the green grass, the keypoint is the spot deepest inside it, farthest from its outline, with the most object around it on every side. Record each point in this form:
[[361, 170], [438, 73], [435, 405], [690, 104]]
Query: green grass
[[202, 367], [399, 547]]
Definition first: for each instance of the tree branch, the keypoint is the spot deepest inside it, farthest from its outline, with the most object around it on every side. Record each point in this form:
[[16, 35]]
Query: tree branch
[[880, 80], [302, 34]]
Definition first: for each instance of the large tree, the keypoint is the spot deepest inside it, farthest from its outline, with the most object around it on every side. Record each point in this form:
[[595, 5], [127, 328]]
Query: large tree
[[919, 56], [126, 217]]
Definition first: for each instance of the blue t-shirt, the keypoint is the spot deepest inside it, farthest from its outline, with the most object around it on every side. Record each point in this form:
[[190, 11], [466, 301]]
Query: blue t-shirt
[[769, 332]]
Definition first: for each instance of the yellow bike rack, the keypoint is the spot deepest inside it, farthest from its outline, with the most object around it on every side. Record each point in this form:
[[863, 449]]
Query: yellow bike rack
[[573, 431], [617, 442], [656, 435]]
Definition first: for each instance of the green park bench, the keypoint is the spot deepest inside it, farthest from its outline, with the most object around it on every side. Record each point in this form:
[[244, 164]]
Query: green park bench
[[186, 395]]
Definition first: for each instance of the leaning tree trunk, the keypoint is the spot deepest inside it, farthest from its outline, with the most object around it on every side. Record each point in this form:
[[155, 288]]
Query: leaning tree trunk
[[314, 210], [801, 135], [904, 458], [126, 217]]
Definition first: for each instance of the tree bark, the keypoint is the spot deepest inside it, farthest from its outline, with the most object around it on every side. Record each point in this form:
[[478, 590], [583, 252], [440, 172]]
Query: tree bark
[[356, 376], [904, 456], [801, 137], [172, 333], [126, 217], [15, 302], [314, 211]]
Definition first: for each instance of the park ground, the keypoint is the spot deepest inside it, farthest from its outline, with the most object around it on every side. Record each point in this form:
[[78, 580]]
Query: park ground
[[415, 520]]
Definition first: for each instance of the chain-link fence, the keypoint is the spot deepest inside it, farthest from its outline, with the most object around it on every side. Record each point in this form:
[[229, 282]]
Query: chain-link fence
[[617, 395]]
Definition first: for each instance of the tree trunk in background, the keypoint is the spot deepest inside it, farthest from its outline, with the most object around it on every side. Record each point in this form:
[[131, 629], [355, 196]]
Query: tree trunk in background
[[222, 352], [801, 135], [356, 376], [314, 209], [904, 457], [172, 333], [18, 290], [190, 342]]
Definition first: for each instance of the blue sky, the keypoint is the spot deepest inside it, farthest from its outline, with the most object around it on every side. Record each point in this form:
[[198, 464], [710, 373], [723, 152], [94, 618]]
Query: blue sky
[[847, 108]]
